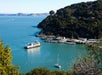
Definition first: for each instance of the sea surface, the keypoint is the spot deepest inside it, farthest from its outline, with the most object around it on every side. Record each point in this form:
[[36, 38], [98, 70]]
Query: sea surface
[[17, 31]]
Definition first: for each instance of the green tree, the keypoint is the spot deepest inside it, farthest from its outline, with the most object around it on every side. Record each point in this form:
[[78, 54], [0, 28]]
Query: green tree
[[6, 67], [95, 50], [51, 12]]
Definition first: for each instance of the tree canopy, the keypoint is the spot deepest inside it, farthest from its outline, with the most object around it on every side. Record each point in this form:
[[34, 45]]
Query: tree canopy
[[51, 12]]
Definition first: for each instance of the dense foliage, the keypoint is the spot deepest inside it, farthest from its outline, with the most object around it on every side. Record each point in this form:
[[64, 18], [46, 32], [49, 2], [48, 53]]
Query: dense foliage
[[86, 66], [43, 71], [95, 50], [91, 64], [77, 20], [6, 67]]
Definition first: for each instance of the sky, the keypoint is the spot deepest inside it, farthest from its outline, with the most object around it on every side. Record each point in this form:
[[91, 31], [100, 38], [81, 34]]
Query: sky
[[34, 6]]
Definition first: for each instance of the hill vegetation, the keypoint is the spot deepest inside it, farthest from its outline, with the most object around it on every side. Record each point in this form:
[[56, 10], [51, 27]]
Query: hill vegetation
[[78, 20]]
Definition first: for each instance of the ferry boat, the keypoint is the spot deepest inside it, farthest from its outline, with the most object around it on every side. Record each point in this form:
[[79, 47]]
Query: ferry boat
[[32, 45]]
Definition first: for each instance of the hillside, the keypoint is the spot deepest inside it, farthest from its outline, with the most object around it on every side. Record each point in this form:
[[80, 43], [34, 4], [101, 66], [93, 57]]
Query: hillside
[[78, 20]]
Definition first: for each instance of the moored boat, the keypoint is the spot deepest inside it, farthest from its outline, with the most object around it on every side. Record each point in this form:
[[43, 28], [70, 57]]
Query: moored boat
[[57, 65], [32, 45]]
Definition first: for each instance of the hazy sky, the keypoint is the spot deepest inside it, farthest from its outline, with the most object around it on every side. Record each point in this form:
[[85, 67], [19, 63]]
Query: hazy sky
[[34, 6]]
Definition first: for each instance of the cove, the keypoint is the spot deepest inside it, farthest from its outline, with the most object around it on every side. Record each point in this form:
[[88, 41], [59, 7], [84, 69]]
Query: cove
[[16, 31]]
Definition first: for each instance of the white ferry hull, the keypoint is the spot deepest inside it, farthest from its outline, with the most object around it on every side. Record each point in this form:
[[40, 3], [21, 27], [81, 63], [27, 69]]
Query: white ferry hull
[[32, 45]]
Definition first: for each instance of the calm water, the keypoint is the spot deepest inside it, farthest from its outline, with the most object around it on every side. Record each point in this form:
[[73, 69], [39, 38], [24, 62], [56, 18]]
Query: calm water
[[17, 31]]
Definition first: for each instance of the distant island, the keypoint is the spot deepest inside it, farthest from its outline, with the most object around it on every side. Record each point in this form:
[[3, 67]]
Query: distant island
[[24, 14], [75, 21]]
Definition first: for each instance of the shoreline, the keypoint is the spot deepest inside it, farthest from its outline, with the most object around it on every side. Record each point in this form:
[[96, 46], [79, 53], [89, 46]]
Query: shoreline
[[60, 39]]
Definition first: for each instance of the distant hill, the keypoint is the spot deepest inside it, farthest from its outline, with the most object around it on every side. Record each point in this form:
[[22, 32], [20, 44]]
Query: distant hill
[[24, 14], [78, 20]]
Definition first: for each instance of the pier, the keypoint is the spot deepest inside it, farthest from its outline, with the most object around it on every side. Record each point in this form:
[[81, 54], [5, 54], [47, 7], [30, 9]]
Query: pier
[[60, 39]]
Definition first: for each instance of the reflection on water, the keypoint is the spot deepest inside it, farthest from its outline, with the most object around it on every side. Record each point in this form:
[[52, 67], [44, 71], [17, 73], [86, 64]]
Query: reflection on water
[[33, 51]]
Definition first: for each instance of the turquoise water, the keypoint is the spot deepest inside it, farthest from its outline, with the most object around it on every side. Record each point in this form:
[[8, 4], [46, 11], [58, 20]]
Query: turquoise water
[[17, 31]]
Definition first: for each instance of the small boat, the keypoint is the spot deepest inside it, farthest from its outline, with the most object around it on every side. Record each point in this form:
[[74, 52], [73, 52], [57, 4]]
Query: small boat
[[32, 45], [57, 65]]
